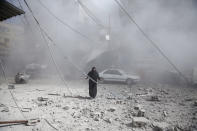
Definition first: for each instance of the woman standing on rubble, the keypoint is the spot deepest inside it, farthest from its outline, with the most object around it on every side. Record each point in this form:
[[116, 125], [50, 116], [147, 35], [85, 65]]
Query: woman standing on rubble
[[93, 77]]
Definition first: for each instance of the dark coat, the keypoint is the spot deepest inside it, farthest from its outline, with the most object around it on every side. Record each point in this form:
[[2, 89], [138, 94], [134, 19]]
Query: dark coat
[[93, 75]]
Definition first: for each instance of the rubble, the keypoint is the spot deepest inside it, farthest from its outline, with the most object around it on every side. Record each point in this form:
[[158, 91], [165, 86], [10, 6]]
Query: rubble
[[154, 98], [66, 108], [137, 107], [102, 113], [108, 120], [5, 109], [162, 126], [139, 122], [111, 109], [11, 86], [141, 113], [42, 99], [195, 103], [26, 109]]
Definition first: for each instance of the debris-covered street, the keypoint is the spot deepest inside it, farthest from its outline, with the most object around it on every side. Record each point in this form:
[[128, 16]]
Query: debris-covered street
[[117, 107], [98, 65]]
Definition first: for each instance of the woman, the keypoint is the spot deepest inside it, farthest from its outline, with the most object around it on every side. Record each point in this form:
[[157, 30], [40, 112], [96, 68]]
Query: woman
[[93, 77]]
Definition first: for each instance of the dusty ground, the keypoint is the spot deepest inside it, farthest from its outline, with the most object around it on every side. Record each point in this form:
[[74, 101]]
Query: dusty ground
[[115, 107]]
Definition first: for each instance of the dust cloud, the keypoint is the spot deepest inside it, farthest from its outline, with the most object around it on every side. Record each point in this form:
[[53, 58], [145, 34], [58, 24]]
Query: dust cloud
[[170, 24]]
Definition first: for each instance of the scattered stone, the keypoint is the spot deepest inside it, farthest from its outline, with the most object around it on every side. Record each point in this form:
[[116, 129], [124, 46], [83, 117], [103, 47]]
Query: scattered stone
[[117, 119], [161, 126], [5, 109], [2, 105], [164, 113], [108, 120], [139, 122], [42, 99], [66, 108], [54, 94], [58, 105], [129, 96], [26, 109], [137, 107], [42, 104], [188, 99], [118, 102], [111, 109], [195, 103], [154, 98], [141, 113], [181, 104], [11, 86], [96, 119]]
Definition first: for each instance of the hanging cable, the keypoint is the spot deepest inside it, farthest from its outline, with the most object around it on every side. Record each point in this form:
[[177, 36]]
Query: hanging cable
[[50, 51], [12, 95], [66, 57], [66, 24], [90, 14], [151, 41]]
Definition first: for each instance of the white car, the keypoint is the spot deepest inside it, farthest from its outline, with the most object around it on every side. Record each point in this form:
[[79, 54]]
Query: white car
[[117, 75]]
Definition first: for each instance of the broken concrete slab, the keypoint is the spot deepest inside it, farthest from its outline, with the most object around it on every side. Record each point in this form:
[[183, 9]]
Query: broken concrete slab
[[154, 98], [11, 86], [66, 108], [139, 122], [111, 109], [141, 113], [137, 107], [42, 99], [195, 103], [162, 126]]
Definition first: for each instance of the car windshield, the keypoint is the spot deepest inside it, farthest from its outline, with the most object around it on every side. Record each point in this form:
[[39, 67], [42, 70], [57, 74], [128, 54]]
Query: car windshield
[[112, 72]]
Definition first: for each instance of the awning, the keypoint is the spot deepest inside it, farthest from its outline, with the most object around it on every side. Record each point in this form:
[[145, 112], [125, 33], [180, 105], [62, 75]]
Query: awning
[[8, 10]]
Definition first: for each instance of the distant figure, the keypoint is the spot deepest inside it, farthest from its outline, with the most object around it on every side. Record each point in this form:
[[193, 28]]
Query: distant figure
[[93, 77]]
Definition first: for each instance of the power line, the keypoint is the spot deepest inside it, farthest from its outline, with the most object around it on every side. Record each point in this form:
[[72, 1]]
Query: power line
[[90, 14], [12, 95], [65, 24], [151, 41], [66, 57], [50, 51]]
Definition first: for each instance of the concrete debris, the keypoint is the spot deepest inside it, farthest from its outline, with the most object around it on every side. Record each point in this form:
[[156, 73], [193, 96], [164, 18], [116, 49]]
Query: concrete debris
[[195, 103], [188, 99], [11, 86], [111, 109], [42, 99], [54, 94], [164, 113], [26, 109], [66, 108], [119, 102], [139, 122], [162, 126], [141, 113], [154, 98], [108, 120], [137, 107], [5, 109]]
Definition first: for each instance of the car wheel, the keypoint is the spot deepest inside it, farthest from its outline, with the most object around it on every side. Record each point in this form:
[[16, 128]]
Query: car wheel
[[129, 81]]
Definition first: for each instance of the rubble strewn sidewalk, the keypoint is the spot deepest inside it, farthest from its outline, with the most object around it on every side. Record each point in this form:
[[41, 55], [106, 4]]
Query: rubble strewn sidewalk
[[115, 108]]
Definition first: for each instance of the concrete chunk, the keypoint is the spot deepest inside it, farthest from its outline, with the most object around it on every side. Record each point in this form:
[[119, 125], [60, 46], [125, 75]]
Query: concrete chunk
[[139, 122], [162, 126]]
